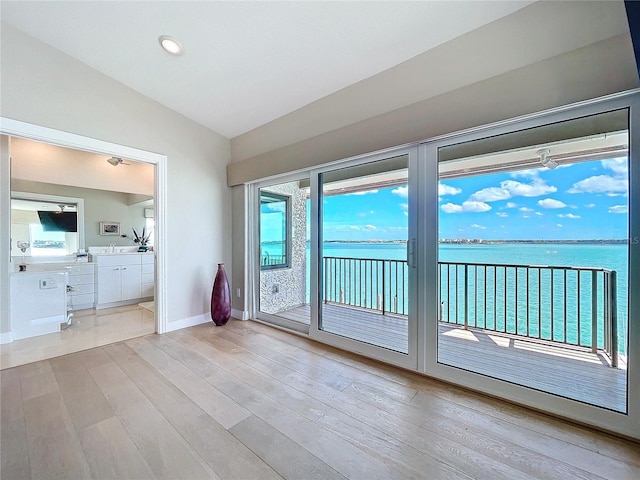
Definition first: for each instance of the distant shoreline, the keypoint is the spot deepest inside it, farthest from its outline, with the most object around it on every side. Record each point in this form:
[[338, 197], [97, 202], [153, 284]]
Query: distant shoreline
[[464, 241]]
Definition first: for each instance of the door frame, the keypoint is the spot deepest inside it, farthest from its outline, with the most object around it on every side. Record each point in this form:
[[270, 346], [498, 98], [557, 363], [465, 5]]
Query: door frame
[[16, 128]]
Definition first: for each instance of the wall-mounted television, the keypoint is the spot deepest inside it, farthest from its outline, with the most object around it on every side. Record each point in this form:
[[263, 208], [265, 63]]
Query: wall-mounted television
[[58, 221]]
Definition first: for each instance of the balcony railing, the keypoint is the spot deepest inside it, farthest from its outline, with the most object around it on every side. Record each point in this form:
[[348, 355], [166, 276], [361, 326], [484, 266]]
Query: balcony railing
[[569, 305], [367, 283]]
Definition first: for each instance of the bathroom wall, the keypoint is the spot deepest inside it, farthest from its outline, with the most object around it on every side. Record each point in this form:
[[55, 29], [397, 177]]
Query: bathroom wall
[[99, 206]]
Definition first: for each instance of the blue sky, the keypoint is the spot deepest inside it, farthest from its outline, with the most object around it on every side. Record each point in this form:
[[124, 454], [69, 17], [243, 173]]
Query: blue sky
[[581, 201]]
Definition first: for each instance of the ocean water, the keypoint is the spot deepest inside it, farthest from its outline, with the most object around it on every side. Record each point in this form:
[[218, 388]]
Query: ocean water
[[502, 306]]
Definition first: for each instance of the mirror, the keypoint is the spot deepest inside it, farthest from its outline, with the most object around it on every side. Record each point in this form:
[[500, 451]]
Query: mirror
[[46, 225]]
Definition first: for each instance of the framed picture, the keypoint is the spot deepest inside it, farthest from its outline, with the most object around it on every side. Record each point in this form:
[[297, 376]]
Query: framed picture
[[109, 228]]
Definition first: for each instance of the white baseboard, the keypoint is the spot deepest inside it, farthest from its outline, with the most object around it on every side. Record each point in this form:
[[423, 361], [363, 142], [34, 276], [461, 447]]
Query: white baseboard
[[188, 322], [240, 314], [6, 337]]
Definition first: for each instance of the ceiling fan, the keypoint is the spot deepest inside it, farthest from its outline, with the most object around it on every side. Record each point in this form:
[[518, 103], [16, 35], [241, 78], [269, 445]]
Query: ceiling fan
[[115, 161]]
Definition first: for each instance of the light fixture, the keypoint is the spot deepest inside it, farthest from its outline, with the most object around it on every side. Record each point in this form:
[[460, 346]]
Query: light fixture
[[115, 161], [545, 160], [171, 45]]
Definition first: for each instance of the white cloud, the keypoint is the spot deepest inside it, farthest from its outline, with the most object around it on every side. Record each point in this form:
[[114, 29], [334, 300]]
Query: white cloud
[[540, 214], [363, 192], [551, 203], [451, 208], [490, 194], [534, 189], [529, 173], [525, 209], [447, 190], [401, 191], [502, 214], [619, 209], [370, 227], [471, 206], [559, 225], [619, 166], [475, 225], [611, 186], [569, 215], [468, 206], [405, 208], [590, 205], [511, 205]]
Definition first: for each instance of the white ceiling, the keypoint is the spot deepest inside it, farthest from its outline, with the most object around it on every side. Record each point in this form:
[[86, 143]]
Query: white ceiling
[[247, 63]]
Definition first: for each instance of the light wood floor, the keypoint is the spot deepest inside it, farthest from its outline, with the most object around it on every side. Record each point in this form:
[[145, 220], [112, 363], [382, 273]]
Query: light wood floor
[[563, 370], [247, 401], [91, 328]]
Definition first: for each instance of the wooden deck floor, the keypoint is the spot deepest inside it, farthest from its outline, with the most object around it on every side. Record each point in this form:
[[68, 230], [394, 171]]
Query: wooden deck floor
[[566, 371]]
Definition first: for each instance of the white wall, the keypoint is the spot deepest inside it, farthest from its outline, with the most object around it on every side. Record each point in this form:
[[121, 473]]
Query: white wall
[[40, 85]]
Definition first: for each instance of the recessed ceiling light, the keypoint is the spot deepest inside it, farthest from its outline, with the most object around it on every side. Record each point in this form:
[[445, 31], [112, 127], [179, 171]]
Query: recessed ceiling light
[[171, 45]]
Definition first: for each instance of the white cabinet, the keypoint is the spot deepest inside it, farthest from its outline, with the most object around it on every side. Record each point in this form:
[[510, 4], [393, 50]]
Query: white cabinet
[[131, 278], [120, 278], [109, 285], [81, 286]]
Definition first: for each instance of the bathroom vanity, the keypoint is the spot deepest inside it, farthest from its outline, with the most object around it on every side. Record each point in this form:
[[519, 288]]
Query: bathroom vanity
[[123, 278]]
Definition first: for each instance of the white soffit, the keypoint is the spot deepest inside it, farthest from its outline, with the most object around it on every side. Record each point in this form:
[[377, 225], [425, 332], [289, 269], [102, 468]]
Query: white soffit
[[247, 63]]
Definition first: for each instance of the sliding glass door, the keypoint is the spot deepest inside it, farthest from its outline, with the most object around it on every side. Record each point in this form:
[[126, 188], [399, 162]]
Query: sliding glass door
[[504, 259], [366, 265], [528, 275], [283, 259], [533, 258]]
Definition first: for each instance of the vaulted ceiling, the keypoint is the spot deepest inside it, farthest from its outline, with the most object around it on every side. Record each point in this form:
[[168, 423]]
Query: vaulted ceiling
[[247, 63]]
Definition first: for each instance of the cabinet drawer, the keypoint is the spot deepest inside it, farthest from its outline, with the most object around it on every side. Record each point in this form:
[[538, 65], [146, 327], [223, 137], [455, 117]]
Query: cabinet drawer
[[80, 270], [82, 289], [81, 279], [148, 258], [148, 278], [148, 268], [85, 300]]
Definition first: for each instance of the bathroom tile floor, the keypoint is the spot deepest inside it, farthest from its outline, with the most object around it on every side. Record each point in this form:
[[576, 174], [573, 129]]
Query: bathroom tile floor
[[91, 328]]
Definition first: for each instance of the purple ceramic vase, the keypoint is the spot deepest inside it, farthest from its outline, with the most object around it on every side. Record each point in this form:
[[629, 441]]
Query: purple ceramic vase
[[220, 298]]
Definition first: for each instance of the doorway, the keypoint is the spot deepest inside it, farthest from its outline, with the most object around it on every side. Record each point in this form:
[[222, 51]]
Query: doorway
[[145, 215]]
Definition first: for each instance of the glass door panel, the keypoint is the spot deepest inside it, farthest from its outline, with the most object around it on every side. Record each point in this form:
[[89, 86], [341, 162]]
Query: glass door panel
[[284, 252], [533, 258], [365, 271]]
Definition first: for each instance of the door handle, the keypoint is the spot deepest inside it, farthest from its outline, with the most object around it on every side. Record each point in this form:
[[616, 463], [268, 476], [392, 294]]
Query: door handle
[[411, 253]]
